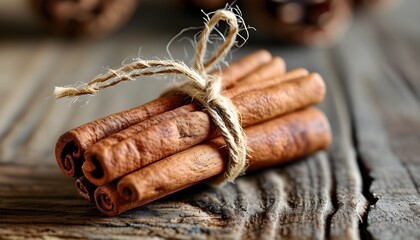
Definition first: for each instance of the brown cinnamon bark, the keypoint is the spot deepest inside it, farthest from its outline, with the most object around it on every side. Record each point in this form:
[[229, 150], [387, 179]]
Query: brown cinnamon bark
[[105, 163], [72, 144], [273, 142], [252, 84], [266, 71], [244, 66], [85, 188]]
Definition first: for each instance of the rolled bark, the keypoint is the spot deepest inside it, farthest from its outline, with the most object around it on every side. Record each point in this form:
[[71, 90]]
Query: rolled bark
[[276, 68], [105, 163], [274, 142], [374, 3], [71, 145], [244, 66]]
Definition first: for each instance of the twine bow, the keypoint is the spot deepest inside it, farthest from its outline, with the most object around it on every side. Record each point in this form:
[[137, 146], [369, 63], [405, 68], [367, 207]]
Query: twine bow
[[202, 87]]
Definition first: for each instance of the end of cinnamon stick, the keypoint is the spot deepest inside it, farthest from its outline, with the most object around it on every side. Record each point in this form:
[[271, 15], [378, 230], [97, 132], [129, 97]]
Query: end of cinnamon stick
[[105, 202], [68, 155], [85, 189], [92, 169]]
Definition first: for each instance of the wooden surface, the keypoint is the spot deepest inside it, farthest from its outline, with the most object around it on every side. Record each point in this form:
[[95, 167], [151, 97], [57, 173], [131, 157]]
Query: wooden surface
[[365, 187]]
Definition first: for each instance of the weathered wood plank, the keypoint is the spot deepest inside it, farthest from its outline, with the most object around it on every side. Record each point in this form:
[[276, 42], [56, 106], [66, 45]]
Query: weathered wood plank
[[296, 201], [244, 210], [349, 203], [400, 44], [387, 123]]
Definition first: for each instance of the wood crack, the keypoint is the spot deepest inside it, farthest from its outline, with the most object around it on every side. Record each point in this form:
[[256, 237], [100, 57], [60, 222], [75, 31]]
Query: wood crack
[[334, 203]]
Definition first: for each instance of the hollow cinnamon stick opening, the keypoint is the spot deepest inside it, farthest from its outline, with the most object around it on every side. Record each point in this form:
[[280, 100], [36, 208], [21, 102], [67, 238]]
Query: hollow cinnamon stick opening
[[110, 202], [273, 142], [71, 145], [180, 133], [85, 189]]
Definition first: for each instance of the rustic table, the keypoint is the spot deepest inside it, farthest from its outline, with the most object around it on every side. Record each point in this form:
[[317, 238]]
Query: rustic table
[[366, 186]]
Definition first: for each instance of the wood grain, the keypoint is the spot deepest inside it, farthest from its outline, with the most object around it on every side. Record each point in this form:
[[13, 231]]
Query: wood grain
[[386, 117]]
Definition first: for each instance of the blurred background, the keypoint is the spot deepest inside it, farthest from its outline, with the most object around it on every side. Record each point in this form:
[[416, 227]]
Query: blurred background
[[47, 43]]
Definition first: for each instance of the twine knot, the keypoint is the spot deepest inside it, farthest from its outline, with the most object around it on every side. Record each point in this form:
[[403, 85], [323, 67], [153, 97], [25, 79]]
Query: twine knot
[[200, 85]]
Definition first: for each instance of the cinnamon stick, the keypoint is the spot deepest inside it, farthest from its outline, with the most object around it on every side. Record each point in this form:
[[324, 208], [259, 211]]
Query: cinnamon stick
[[71, 145], [265, 71], [245, 85], [85, 188], [273, 142], [252, 84], [244, 66], [105, 163]]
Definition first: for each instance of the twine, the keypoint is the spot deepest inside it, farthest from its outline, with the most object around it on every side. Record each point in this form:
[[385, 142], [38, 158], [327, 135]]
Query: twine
[[201, 86]]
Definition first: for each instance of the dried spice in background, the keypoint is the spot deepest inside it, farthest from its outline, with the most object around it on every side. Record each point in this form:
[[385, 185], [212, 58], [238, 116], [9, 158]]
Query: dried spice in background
[[311, 22], [208, 5], [370, 3], [84, 18]]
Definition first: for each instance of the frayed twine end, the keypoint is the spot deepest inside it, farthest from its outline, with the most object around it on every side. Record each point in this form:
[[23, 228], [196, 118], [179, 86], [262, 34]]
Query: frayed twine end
[[60, 92]]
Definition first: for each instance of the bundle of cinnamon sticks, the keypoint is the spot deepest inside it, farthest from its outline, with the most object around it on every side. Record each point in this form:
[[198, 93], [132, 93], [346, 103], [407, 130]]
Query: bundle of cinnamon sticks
[[130, 158]]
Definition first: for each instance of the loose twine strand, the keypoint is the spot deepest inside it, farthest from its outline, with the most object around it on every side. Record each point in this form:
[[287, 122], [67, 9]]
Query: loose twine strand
[[201, 86]]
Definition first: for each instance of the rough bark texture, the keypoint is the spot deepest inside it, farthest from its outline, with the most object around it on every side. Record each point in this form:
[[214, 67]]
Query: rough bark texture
[[366, 186]]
